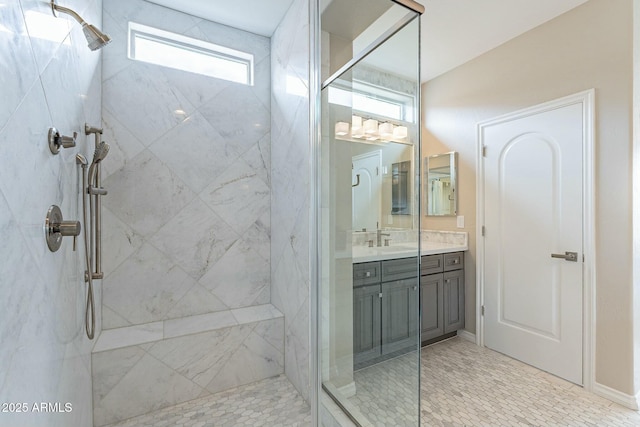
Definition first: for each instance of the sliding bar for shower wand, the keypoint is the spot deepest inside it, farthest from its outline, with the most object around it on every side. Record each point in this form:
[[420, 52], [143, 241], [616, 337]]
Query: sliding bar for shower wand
[[95, 190]]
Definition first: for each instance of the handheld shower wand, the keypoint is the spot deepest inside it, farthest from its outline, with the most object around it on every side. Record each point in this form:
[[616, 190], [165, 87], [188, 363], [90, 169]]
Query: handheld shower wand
[[89, 314]]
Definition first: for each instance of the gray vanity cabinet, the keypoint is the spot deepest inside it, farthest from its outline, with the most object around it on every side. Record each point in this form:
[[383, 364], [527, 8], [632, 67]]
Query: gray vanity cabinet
[[441, 295], [399, 314], [431, 298], [384, 313], [367, 344]]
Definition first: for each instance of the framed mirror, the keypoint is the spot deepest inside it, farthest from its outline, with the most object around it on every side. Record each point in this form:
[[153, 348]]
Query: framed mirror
[[441, 174]]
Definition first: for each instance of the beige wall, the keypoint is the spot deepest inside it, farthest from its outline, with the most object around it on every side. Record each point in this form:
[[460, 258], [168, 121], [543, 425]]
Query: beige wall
[[588, 47]]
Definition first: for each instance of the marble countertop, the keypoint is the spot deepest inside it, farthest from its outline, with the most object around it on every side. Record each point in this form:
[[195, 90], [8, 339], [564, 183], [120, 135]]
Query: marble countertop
[[367, 254]]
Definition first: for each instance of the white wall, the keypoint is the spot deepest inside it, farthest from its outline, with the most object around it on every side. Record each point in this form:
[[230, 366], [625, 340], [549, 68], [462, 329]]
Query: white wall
[[588, 47], [45, 354]]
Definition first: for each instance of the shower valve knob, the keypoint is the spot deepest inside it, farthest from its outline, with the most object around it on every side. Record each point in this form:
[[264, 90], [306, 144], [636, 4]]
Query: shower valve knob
[[56, 228], [56, 140]]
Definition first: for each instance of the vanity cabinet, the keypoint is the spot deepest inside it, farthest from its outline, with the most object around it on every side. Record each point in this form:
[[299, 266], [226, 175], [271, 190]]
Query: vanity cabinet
[[385, 309], [441, 295]]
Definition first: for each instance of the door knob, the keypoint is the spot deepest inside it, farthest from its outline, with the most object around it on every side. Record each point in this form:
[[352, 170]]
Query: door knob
[[568, 256]]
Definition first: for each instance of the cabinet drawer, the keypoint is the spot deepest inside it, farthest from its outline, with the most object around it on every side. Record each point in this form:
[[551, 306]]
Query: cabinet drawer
[[430, 264], [453, 261], [366, 273], [397, 269]]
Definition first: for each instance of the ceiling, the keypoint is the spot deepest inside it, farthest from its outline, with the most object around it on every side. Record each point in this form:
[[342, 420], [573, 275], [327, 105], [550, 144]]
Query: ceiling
[[453, 31]]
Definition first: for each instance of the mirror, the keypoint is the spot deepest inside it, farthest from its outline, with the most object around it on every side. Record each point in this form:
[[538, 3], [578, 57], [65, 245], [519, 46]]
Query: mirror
[[381, 186], [440, 184]]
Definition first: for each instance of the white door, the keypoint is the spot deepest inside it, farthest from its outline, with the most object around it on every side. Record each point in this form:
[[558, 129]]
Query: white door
[[533, 208], [366, 185]]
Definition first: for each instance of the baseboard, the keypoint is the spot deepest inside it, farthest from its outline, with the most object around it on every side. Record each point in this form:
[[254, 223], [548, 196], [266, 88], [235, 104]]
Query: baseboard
[[467, 336], [616, 396]]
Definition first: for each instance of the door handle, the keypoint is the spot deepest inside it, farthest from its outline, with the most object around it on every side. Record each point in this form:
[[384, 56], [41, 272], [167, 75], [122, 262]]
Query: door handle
[[568, 256]]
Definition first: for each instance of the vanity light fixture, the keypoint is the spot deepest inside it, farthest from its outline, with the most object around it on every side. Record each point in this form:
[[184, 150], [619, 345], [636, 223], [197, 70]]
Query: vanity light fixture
[[342, 128], [370, 127], [356, 127], [400, 132], [386, 130]]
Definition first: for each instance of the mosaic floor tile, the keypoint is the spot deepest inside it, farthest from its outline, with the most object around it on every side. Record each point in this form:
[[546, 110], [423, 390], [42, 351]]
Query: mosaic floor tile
[[461, 384]]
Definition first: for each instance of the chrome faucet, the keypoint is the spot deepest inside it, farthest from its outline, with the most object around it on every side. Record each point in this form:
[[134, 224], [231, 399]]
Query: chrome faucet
[[379, 235]]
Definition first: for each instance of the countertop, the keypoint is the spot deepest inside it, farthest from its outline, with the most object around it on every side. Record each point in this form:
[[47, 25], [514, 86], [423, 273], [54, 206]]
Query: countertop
[[367, 254]]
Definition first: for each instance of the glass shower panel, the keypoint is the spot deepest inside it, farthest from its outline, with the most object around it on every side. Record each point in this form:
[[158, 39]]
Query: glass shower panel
[[370, 169]]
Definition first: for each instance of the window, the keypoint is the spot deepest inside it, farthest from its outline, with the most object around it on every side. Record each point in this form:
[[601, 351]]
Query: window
[[374, 100], [176, 51]]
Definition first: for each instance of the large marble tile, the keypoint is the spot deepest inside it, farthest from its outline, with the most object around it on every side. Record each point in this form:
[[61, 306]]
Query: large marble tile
[[196, 238], [256, 313], [197, 301], [146, 286], [297, 349], [28, 160], [16, 288], [238, 196], [18, 69], [145, 194], [123, 145], [258, 157], [258, 46], [255, 359], [119, 241], [115, 58], [147, 13], [196, 88], [239, 117], [240, 278], [197, 324], [200, 357], [110, 366], [130, 335], [195, 151], [140, 98], [148, 386]]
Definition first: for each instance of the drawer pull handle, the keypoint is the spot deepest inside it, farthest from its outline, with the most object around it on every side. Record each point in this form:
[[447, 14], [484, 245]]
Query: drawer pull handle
[[367, 274]]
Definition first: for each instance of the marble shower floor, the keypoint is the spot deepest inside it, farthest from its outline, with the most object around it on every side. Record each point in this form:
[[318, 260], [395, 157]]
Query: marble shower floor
[[461, 385], [269, 403]]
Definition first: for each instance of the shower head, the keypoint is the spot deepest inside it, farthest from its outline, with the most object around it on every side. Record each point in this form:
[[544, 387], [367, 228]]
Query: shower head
[[96, 39], [101, 152]]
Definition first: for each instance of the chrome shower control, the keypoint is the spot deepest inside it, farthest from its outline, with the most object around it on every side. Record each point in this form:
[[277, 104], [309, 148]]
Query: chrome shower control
[[56, 140], [55, 228]]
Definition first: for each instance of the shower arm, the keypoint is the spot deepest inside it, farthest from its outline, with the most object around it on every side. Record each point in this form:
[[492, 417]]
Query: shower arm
[[56, 8]]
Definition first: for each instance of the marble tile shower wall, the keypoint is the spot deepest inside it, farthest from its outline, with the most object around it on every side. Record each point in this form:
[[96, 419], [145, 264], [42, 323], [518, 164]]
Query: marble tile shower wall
[[48, 78], [290, 198], [187, 219]]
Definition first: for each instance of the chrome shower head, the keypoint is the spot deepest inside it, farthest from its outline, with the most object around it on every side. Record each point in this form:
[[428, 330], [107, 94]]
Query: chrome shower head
[[101, 152], [95, 38]]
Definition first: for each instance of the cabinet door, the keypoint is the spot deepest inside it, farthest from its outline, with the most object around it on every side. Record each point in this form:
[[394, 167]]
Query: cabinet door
[[399, 315], [453, 301], [366, 323], [432, 304]]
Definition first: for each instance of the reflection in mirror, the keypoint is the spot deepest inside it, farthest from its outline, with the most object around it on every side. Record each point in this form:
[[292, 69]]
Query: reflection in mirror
[[440, 184], [400, 188]]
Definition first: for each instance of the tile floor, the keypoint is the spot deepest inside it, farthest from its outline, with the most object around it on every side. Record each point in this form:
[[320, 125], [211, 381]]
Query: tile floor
[[461, 385], [466, 385], [273, 402]]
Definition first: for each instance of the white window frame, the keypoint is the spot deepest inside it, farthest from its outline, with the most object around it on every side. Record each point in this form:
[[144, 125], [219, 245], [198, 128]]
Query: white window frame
[[208, 51]]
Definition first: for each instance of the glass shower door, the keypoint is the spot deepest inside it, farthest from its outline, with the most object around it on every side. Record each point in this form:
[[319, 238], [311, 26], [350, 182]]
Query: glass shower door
[[369, 230]]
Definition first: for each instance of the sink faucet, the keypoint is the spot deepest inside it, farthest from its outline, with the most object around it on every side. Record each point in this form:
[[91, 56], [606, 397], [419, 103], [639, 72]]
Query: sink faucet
[[379, 235]]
